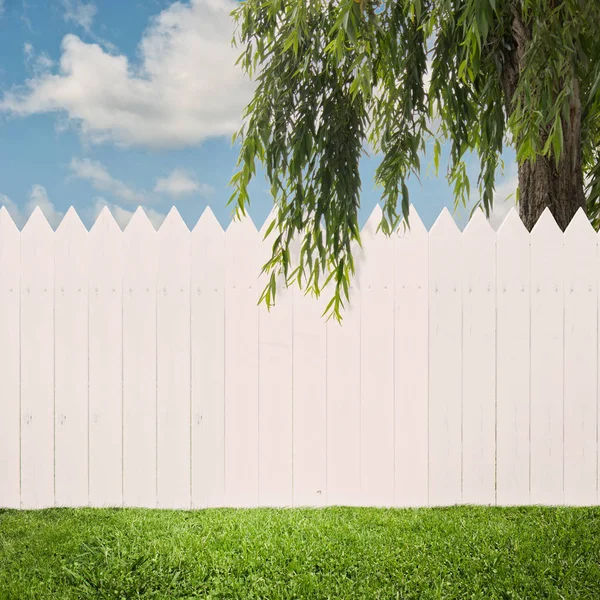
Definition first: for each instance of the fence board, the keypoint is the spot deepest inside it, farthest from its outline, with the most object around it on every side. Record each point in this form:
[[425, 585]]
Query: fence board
[[376, 364], [479, 362], [139, 362], [10, 423], [106, 362], [547, 348], [241, 363], [37, 363], [411, 351], [173, 364], [581, 361], [309, 393], [71, 357], [275, 387], [208, 362], [445, 361], [343, 403], [513, 362]]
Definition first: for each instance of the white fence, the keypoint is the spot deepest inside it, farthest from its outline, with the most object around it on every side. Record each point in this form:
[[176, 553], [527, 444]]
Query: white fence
[[137, 370]]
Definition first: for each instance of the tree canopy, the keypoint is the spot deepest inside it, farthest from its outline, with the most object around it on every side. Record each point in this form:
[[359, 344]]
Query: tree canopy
[[478, 75]]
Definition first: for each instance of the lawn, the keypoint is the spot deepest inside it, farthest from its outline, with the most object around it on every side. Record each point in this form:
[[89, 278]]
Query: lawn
[[346, 553]]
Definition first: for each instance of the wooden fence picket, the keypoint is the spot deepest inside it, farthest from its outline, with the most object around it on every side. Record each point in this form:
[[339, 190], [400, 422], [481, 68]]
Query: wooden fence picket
[[37, 362], [512, 362], [173, 363], [376, 365], [445, 362], [139, 362], [105, 241], [547, 362], [309, 365], [581, 361], [241, 363], [208, 362], [479, 362], [71, 361], [275, 384], [10, 349], [343, 403], [411, 355]]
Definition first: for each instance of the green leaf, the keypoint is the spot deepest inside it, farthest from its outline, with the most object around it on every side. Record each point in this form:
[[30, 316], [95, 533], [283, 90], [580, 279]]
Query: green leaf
[[270, 228], [437, 149]]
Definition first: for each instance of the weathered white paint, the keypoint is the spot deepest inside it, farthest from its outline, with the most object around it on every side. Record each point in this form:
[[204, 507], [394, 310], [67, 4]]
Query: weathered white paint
[[71, 270], [241, 364], [343, 404], [581, 360], [512, 362], [309, 339], [208, 362], [275, 409], [138, 370], [547, 365], [173, 364], [411, 369], [376, 365], [10, 349], [445, 362], [139, 363], [37, 362], [105, 362], [478, 361]]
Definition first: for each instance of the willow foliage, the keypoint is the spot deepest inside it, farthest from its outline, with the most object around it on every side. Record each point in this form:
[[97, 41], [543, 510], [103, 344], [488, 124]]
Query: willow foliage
[[333, 74]]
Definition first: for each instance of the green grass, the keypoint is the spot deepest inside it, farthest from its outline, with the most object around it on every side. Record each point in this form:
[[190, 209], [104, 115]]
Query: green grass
[[346, 553]]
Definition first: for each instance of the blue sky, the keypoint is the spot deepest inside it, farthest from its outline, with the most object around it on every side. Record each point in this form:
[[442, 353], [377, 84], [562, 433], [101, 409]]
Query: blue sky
[[121, 104]]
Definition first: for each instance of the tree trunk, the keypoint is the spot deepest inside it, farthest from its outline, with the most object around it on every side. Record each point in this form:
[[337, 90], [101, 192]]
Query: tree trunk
[[541, 183]]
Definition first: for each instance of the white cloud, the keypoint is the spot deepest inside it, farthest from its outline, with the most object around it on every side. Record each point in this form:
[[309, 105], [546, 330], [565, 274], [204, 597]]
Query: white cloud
[[80, 13], [180, 183], [36, 64], [37, 197], [96, 173], [186, 89], [123, 216]]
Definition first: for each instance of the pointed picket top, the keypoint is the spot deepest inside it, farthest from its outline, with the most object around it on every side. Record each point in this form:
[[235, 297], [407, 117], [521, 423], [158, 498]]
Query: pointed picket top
[[416, 224], [512, 225], [139, 223], [243, 227], [417, 228], [478, 226], [445, 224], [546, 225], [6, 222], [208, 224], [37, 224], [372, 222], [579, 226], [71, 224], [105, 223], [271, 217], [173, 224]]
